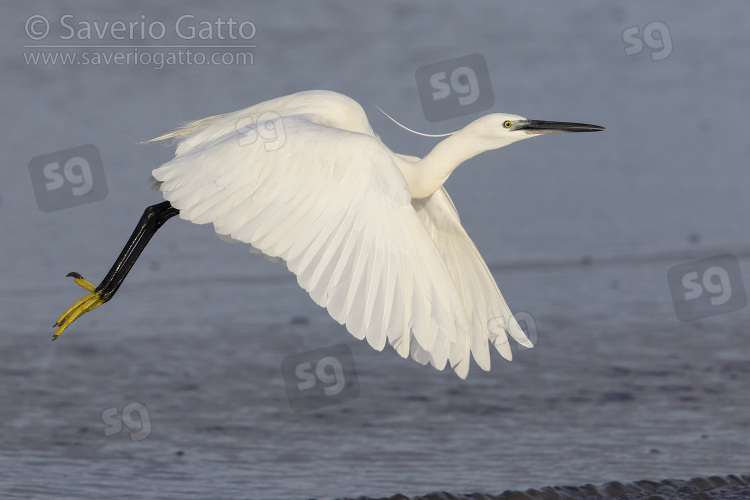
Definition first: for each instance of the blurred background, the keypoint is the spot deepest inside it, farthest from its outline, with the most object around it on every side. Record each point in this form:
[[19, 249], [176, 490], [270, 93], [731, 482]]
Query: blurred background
[[175, 389]]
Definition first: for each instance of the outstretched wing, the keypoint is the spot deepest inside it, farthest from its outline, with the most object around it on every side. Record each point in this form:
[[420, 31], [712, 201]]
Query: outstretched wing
[[334, 206], [489, 315]]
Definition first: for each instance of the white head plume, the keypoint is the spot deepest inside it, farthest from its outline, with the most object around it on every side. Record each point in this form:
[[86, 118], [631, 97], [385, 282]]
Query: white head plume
[[413, 131]]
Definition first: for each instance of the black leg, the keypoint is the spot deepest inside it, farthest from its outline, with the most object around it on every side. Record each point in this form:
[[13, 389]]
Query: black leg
[[152, 219]]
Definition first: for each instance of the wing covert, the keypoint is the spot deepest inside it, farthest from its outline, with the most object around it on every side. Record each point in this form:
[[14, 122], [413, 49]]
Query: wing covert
[[334, 206]]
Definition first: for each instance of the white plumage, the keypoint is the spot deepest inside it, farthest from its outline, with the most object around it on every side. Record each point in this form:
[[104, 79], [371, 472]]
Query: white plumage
[[371, 235]]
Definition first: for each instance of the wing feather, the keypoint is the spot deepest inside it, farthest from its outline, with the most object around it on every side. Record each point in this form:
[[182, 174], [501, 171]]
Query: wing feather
[[332, 204], [479, 293]]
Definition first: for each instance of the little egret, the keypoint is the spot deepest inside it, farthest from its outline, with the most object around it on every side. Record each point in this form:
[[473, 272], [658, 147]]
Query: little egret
[[371, 235]]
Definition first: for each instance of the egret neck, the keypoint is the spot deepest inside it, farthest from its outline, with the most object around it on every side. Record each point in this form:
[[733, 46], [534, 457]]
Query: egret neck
[[430, 173]]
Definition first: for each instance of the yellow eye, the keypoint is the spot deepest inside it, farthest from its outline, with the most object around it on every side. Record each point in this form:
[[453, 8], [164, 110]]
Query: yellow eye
[[507, 124]]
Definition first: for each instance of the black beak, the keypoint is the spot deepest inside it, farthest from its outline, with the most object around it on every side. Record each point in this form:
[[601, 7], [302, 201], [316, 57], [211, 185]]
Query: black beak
[[543, 127]]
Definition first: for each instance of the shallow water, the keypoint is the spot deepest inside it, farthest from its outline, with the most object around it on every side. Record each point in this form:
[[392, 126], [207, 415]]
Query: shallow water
[[579, 231], [600, 398], [730, 487]]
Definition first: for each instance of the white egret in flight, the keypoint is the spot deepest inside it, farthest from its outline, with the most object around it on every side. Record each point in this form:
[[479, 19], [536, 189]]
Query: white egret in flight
[[371, 234]]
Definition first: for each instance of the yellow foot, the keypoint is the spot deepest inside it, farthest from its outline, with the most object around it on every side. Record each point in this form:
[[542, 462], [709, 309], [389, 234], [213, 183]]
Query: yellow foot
[[82, 306]]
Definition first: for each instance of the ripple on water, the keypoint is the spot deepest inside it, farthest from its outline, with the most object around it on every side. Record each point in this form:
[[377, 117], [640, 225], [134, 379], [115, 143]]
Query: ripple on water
[[729, 487]]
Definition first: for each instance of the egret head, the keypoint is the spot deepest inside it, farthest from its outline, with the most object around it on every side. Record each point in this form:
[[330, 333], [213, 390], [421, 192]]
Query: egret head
[[489, 132], [500, 129]]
